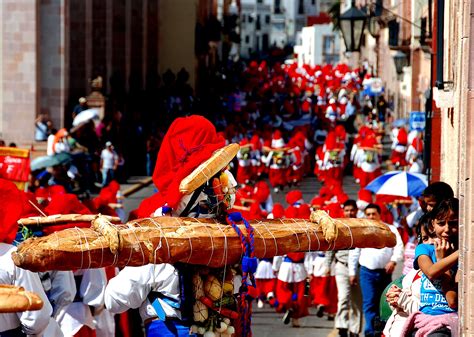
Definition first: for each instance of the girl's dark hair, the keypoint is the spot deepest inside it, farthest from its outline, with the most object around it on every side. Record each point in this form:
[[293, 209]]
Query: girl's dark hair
[[425, 224], [444, 208]]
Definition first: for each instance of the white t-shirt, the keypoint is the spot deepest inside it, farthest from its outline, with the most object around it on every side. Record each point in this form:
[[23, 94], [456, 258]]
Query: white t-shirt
[[108, 159]]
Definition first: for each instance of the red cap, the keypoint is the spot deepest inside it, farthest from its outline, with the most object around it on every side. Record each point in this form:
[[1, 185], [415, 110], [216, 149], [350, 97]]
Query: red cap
[[304, 211], [261, 191], [42, 193], [276, 135], [340, 133], [334, 210], [317, 201], [278, 211], [369, 143], [256, 143], [365, 195], [56, 190], [65, 204], [107, 195], [342, 197], [255, 213], [291, 212], [294, 196], [331, 142], [188, 143], [402, 136], [244, 141], [325, 193]]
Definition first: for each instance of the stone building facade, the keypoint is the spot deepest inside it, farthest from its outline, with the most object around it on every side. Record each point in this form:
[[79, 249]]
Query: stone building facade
[[51, 49], [456, 103]]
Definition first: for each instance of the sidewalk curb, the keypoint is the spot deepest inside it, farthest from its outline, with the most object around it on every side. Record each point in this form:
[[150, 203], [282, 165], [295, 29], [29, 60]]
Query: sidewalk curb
[[137, 187]]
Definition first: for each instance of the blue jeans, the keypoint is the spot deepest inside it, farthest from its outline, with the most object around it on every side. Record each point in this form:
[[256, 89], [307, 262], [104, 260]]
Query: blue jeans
[[107, 176], [168, 328], [372, 284]]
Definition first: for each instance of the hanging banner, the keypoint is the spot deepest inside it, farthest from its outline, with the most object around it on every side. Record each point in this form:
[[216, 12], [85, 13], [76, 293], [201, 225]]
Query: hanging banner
[[15, 165]]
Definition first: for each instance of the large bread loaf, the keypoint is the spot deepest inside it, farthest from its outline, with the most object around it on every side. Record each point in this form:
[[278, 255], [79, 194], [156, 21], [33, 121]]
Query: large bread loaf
[[194, 241], [17, 299]]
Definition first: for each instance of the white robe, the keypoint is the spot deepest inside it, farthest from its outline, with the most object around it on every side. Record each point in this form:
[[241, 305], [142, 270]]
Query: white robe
[[130, 289], [72, 318], [290, 272], [265, 270], [62, 290], [32, 322]]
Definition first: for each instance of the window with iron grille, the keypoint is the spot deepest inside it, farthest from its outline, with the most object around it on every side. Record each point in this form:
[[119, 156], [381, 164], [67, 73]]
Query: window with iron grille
[[277, 7], [330, 54], [393, 31]]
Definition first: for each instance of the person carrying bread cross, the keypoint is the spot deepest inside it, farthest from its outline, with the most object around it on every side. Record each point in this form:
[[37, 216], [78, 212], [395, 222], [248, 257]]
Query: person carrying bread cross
[[192, 181]]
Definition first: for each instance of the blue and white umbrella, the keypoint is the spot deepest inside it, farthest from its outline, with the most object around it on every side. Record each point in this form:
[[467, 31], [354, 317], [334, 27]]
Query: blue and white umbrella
[[399, 183]]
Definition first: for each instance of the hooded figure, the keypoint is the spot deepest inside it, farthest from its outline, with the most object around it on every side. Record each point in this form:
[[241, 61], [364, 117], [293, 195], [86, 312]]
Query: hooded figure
[[369, 161], [192, 180], [244, 168], [278, 161], [399, 148]]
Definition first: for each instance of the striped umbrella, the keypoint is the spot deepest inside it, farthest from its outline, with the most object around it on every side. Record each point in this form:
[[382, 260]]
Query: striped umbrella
[[399, 183]]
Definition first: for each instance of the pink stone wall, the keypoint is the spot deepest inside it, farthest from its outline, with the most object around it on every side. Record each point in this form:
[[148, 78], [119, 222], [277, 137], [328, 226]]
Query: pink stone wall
[[19, 69]]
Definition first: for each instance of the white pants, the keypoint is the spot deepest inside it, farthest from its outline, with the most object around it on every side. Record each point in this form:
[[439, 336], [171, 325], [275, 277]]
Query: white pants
[[349, 302]]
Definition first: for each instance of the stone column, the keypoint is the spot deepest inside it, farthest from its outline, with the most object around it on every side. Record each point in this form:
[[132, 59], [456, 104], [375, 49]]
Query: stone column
[[53, 59], [19, 73]]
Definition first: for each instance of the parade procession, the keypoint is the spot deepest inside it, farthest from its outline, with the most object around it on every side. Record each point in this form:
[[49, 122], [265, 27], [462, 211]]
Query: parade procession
[[207, 250]]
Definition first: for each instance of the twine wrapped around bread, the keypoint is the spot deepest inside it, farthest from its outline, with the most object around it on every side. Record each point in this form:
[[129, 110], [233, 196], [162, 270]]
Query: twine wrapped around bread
[[58, 219], [112, 233], [328, 224], [17, 299], [204, 172], [194, 241]]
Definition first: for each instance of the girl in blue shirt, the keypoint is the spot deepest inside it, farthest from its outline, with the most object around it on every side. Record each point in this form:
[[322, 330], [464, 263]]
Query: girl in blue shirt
[[438, 262]]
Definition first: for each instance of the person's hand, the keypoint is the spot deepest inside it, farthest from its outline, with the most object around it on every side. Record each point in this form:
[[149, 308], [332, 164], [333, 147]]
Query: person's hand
[[393, 294], [442, 248], [390, 267], [327, 272], [392, 298], [353, 280]]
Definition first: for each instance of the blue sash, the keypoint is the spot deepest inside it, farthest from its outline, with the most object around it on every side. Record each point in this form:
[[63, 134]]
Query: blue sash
[[155, 297], [168, 328], [288, 259]]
